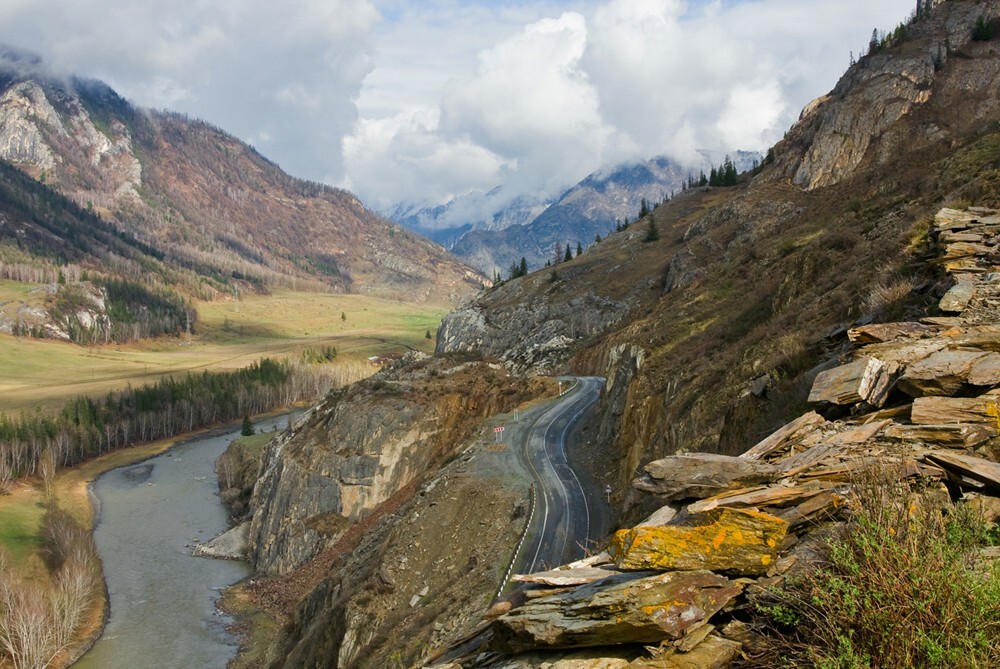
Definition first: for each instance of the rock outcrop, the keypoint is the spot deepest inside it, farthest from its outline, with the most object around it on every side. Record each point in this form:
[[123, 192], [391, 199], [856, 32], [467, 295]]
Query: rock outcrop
[[528, 335], [738, 541], [362, 445], [625, 608], [843, 130]]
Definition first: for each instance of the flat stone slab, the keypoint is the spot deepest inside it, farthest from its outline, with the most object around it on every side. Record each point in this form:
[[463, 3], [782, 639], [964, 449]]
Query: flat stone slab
[[947, 372], [951, 410], [623, 609], [564, 577], [866, 379], [698, 475], [737, 541]]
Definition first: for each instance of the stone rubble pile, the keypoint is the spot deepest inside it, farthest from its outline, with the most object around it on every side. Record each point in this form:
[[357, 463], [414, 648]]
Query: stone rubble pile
[[921, 400]]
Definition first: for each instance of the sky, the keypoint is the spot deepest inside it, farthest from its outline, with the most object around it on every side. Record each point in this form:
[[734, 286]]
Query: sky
[[422, 101]]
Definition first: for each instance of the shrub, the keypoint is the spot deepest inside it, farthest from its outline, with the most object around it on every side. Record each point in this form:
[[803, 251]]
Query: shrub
[[887, 297], [902, 586], [983, 30]]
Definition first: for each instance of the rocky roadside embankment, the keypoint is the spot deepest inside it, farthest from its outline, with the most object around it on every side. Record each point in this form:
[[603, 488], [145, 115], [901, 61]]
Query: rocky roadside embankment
[[365, 443], [385, 508], [921, 400]]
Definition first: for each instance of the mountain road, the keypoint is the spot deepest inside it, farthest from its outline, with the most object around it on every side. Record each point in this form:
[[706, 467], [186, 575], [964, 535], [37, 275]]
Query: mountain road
[[560, 525]]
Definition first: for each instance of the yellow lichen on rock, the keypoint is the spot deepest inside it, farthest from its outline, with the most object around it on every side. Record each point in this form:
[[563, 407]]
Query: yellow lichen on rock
[[741, 541]]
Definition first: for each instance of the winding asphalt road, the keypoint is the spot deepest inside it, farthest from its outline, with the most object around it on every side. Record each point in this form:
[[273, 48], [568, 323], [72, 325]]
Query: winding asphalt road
[[561, 523]]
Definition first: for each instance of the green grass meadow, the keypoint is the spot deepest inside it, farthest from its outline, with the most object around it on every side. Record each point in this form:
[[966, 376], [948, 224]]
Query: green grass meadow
[[43, 374]]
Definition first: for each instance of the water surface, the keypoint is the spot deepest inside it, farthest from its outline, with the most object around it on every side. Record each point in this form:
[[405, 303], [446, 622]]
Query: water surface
[[163, 600]]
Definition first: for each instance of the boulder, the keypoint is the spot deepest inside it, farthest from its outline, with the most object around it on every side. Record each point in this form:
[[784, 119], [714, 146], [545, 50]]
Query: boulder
[[956, 435], [699, 475], [959, 296], [951, 410], [864, 380], [737, 541], [946, 372], [623, 609], [785, 436], [882, 332]]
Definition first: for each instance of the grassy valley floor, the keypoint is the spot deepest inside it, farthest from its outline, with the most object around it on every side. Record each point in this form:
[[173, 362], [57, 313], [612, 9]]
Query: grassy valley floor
[[43, 374]]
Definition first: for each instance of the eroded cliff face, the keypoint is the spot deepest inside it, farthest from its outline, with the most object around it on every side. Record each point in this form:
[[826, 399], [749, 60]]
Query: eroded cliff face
[[535, 323], [418, 579], [64, 147], [860, 118], [362, 445]]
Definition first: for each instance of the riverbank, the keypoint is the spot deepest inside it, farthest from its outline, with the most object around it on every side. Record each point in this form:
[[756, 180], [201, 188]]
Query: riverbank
[[72, 490]]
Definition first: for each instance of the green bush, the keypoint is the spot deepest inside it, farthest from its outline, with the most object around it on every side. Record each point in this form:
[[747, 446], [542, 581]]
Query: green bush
[[983, 30], [902, 586]]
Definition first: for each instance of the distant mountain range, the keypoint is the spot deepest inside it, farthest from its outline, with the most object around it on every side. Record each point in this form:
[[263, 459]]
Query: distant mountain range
[[491, 242]]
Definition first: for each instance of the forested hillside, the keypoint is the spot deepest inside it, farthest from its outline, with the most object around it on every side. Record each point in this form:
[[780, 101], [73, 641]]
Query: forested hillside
[[95, 190]]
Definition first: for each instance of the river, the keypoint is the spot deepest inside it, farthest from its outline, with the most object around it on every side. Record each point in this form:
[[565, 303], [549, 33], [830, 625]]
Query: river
[[162, 599]]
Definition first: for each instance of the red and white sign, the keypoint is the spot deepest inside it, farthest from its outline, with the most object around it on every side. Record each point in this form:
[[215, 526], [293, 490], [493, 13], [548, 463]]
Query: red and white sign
[[498, 429]]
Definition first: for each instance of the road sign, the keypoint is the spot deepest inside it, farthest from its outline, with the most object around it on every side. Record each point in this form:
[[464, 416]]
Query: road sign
[[498, 429]]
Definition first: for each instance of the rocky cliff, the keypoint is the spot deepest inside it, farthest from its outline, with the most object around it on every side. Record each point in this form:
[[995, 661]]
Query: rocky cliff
[[719, 322], [933, 68], [535, 323], [364, 444]]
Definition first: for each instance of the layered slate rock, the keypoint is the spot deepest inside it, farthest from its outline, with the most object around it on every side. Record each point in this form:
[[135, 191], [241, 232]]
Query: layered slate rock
[[864, 380], [701, 475], [712, 653], [736, 541], [948, 372], [623, 609]]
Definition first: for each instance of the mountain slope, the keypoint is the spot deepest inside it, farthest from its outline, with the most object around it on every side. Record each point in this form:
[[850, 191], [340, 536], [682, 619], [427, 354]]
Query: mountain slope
[[747, 291], [210, 203]]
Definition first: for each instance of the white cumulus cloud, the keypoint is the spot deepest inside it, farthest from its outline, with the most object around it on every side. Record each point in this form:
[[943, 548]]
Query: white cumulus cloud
[[424, 101]]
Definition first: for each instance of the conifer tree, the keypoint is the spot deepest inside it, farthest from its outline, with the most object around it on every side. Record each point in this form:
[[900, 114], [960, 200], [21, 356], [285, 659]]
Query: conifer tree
[[652, 233]]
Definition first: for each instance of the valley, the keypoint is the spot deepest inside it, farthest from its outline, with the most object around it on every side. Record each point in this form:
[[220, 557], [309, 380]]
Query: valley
[[229, 335], [720, 436]]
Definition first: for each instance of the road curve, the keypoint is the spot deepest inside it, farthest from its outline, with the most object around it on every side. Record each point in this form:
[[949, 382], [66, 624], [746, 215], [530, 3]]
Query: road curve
[[560, 524]]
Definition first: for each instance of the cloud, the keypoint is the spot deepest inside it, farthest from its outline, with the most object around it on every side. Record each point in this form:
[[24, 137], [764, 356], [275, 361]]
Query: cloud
[[424, 101], [578, 86], [284, 75]]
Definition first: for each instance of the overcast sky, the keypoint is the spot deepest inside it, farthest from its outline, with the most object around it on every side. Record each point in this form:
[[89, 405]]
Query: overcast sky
[[400, 100]]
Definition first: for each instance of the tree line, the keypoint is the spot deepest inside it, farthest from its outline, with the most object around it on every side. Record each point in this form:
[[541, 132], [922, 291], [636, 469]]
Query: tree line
[[86, 428]]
